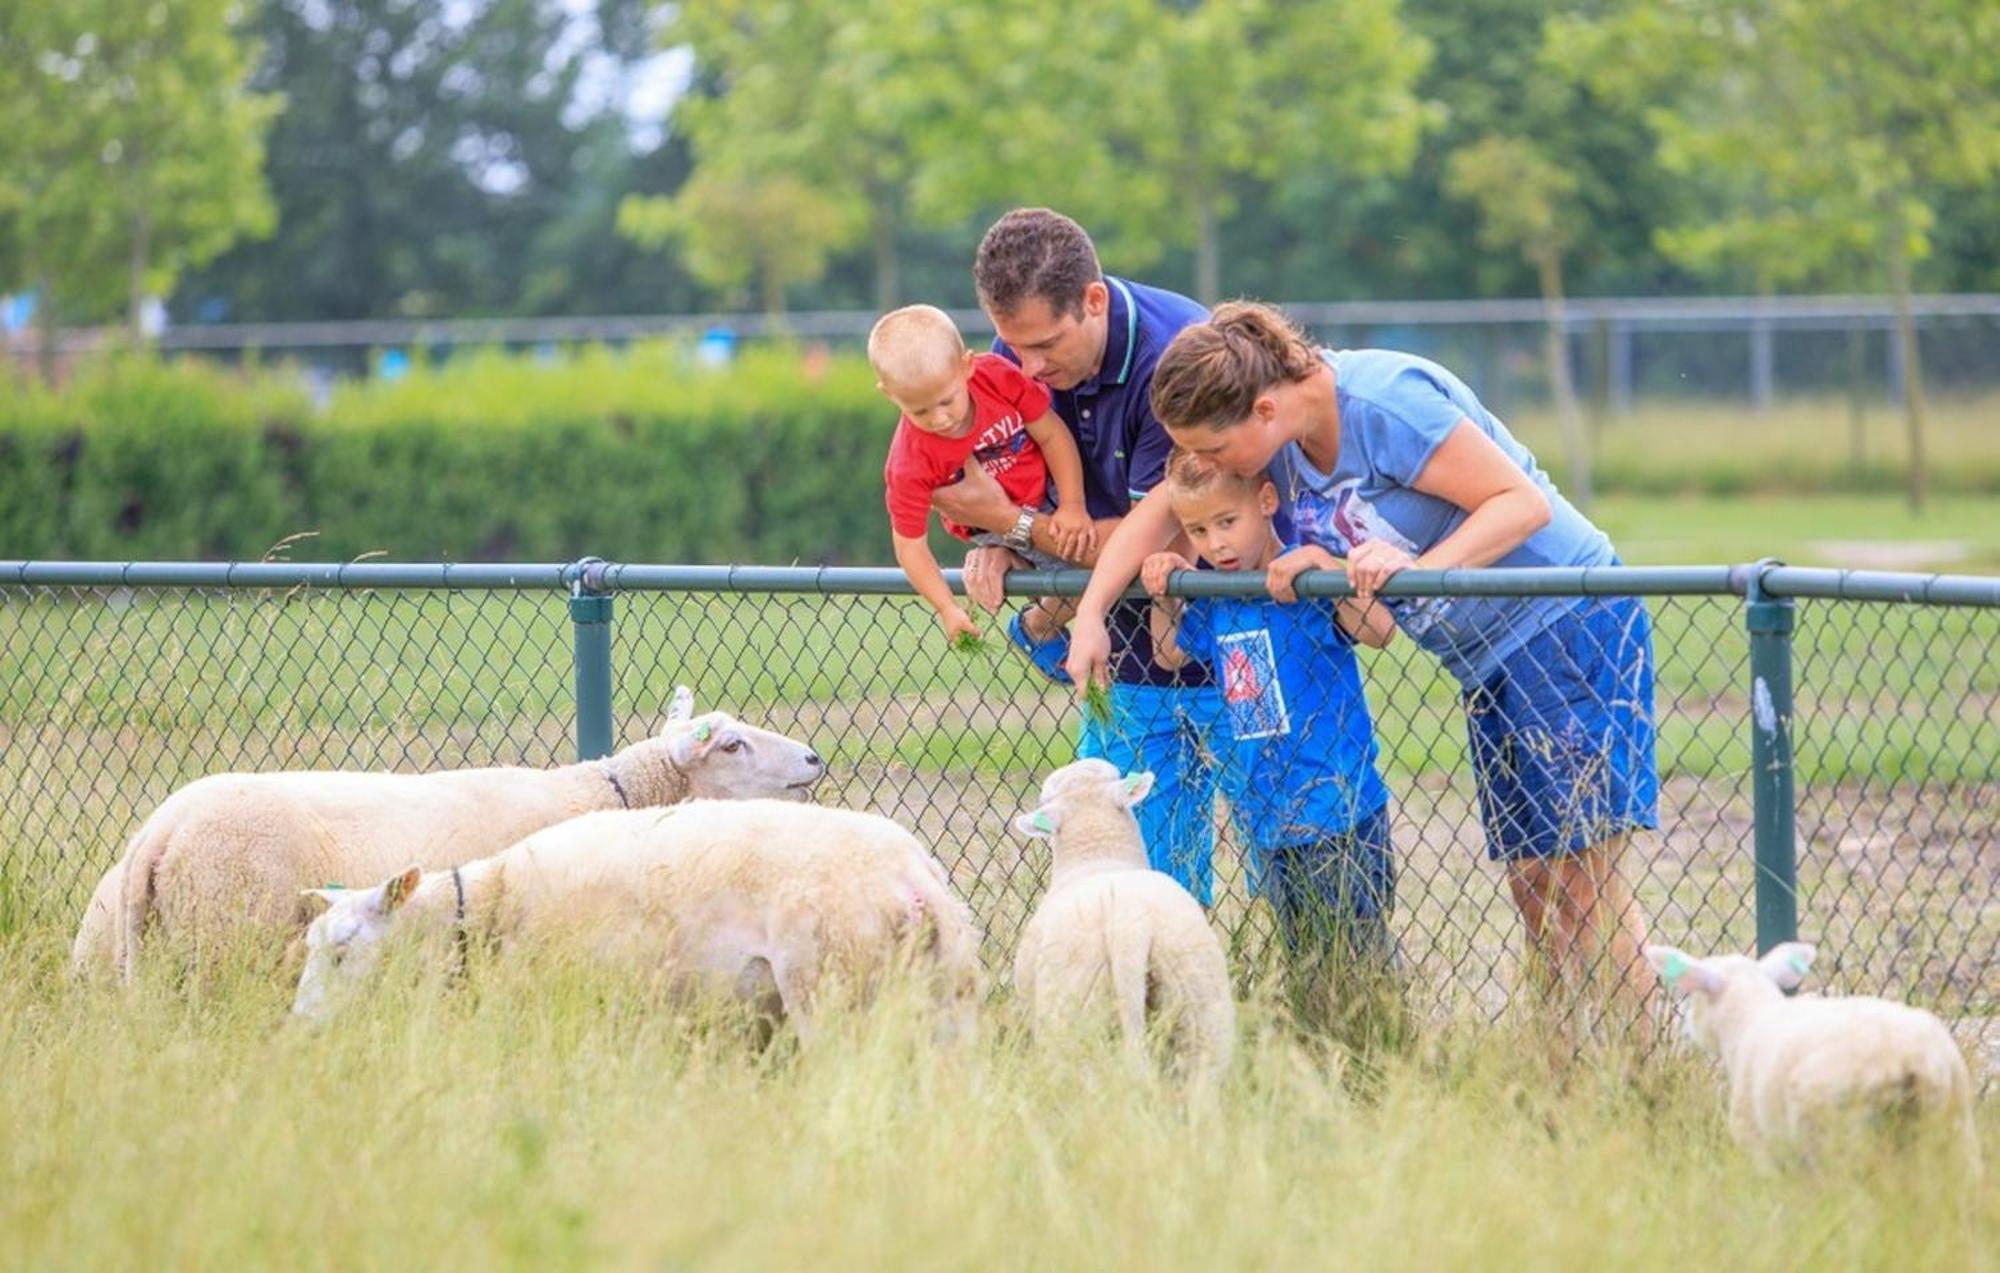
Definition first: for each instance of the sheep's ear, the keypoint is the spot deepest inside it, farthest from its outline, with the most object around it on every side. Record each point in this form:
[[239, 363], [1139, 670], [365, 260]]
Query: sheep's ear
[[1136, 786], [320, 899], [682, 706], [1683, 973], [397, 888], [692, 743], [1039, 825], [1787, 963]]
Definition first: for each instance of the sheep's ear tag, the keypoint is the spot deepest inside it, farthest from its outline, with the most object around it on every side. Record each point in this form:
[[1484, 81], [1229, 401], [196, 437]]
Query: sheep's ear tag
[[702, 731], [1677, 967], [1799, 963], [334, 886], [1042, 822]]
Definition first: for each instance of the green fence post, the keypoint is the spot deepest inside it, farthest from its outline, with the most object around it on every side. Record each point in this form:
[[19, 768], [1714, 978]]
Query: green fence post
[[590, 615], [1769, 620]]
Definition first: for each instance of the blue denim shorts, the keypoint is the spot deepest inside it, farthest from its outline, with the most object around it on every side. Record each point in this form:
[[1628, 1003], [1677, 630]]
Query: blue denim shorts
[[1563, 738]]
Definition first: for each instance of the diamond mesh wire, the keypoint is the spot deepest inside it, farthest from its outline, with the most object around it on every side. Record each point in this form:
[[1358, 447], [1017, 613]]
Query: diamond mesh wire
[[111, 698]]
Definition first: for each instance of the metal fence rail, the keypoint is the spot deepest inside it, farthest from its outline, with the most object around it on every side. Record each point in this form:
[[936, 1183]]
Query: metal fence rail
[[1829, 741]]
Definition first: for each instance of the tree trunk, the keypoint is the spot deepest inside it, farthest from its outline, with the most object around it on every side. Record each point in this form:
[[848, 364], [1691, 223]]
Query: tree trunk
[[135, 303], [1906, 339], [772, 286], [1555, 352], [46, 331], [887, 220], [1207, 251], [1857, 407]]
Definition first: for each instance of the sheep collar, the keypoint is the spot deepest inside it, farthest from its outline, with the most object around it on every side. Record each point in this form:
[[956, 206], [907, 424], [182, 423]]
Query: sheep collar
[[611, 776]]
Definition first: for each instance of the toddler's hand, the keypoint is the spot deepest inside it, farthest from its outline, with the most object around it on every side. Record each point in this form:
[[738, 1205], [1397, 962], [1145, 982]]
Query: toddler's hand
[[1278, 579], [1153, 575], [957, 623], [1076, 534]]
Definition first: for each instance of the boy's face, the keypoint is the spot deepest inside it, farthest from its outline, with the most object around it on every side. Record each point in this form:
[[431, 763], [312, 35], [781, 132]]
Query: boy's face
[[1229, 526], [940, 404]]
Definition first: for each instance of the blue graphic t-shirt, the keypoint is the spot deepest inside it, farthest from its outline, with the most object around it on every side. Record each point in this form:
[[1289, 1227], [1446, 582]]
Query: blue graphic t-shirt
[[1298, 741], [1395, 411]]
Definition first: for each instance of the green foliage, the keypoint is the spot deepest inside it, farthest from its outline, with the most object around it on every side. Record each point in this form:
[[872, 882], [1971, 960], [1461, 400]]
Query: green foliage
[[133, 150], [775, 231]]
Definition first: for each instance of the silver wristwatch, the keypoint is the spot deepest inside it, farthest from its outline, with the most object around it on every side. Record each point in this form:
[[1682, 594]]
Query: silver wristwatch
[[1022, 537]]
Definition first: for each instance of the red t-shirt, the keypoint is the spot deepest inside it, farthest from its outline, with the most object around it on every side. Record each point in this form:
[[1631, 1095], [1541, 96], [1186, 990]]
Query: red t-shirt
[[1004, 403]]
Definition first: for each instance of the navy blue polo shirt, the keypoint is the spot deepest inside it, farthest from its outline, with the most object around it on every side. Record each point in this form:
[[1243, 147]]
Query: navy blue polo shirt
[[1124, 448]]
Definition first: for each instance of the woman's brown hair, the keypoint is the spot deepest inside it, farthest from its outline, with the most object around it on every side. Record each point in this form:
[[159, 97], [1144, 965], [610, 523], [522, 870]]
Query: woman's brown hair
[[1212, 372]]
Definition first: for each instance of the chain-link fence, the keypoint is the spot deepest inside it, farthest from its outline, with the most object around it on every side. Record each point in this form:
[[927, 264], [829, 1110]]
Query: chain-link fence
[[1875, 787]]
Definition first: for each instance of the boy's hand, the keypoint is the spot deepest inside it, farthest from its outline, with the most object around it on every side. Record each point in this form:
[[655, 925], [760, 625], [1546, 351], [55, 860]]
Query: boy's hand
[[1153, 575], [1289, 566], [1076, 533], [957, 623]]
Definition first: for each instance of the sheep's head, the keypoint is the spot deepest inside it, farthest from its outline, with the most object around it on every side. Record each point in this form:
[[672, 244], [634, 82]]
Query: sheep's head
[[346, 940], [1710, 984], [724, 759], [1084, 784]]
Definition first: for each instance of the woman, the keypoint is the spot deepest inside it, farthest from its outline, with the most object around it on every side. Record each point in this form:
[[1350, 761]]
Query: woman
[[1389, 461]]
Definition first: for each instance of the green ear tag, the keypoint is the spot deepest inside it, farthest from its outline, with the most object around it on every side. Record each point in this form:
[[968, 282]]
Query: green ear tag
[[1042, 823], [1677, 967], [1800, 964], [338, 886], [701, 732]]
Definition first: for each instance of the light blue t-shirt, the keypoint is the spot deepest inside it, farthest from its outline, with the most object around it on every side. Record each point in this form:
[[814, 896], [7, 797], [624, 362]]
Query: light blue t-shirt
[[1395, 411], [1299, 751]]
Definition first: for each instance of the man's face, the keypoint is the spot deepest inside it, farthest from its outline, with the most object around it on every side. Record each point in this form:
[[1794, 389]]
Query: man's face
[[1062, 350]]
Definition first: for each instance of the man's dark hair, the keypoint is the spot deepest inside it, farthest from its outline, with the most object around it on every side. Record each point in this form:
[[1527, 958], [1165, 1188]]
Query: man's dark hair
[[1035, 252]]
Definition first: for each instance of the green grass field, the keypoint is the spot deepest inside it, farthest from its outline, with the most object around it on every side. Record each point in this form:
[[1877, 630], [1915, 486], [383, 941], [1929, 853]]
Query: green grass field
[[565, 1121], [572, 1123]]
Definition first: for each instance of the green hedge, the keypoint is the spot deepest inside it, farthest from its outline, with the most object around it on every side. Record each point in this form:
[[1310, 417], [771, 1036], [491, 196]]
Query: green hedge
[[645, 456], [639, 456]]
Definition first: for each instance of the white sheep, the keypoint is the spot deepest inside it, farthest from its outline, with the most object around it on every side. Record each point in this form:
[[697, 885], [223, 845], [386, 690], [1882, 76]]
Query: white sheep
[[1795, 1065], [232, 851], [1112, 934], [760, 900]]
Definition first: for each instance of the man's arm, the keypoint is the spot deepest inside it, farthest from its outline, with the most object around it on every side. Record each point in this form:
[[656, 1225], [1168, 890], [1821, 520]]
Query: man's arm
[[977, 501]]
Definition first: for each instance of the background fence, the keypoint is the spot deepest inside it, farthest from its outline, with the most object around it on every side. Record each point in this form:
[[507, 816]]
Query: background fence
[[1877, 788], [1623, 351]]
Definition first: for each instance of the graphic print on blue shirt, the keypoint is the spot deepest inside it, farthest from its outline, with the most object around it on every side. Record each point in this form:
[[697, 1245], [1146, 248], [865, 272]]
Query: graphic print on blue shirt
[[1396, 410], [1296, 742], [1250, 685]]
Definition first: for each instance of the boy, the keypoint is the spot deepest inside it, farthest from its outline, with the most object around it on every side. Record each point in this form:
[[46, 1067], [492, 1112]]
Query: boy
[[957, 406], [1298, 758]]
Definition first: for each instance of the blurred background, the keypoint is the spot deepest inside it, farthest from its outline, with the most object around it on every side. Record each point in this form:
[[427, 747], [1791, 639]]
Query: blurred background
[[535, 278]]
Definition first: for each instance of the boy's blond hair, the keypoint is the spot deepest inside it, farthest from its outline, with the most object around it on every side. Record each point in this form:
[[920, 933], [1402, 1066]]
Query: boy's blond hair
[[1190, 474], [914, 343]]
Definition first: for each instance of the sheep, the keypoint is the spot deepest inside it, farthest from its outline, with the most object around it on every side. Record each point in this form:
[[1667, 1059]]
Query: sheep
[[1795, 1064], [94, 954], [757, 900], [232, 851], [1112, 933]]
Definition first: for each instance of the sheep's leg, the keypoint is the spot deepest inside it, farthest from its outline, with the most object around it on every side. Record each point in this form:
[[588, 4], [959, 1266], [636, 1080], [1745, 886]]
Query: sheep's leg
[[798, 982]]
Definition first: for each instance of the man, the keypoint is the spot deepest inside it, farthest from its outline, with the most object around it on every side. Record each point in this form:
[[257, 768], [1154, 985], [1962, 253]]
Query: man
[[1093, 340]]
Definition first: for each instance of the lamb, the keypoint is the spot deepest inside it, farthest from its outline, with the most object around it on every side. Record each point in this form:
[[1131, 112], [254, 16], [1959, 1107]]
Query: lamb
[[231, 852], [1795, 1065], [758, 900], [1113, 934]]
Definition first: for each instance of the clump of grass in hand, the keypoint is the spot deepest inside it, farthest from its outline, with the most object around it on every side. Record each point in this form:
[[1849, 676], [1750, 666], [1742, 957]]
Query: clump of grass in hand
[[969, 643], [1097, 703]]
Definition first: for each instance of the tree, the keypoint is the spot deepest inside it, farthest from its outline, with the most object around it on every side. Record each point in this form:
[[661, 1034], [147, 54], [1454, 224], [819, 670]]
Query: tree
[[133, 150], [1526, 204], [1832, 122], [774, 231], [447, 159]]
